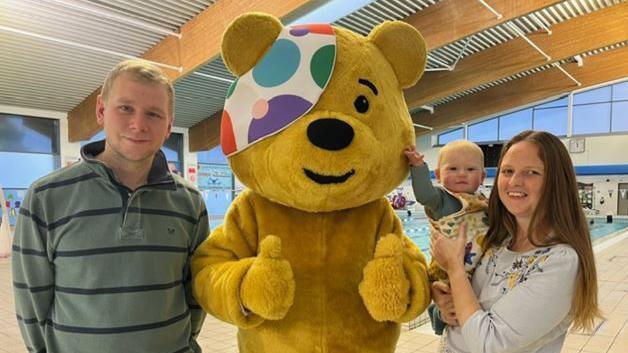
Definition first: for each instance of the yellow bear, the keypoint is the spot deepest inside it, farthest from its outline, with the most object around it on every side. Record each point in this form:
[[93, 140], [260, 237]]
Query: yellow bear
[[312, 257]]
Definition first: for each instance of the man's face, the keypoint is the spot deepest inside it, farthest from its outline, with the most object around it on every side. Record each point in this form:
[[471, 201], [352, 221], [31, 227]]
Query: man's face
[[136, 119]]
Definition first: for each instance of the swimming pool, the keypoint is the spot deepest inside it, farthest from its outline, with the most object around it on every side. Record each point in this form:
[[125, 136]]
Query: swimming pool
[[417, 228], [600, 228]]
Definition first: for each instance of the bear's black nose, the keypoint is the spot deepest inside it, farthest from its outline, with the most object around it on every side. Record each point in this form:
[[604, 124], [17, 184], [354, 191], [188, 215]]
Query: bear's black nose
[[330, 134]]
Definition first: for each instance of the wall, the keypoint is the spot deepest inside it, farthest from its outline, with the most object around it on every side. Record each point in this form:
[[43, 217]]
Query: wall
[[602, 150]]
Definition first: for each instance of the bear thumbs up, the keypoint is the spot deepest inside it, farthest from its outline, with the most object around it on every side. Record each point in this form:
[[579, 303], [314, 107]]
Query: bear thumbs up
[[389, 246], [270, 248], [385, 286], [268, 286]]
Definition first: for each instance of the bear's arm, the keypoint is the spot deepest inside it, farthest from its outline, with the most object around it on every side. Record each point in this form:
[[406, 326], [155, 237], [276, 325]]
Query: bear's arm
[[414, 265], [221, 262]]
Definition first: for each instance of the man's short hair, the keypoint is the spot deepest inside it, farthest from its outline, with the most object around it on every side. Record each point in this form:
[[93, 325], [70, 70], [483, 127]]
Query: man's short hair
[[460, 145], [142, 71]]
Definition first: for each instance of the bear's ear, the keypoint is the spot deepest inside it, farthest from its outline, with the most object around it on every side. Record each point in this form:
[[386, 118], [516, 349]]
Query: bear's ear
[[246, 40], [404, 47]]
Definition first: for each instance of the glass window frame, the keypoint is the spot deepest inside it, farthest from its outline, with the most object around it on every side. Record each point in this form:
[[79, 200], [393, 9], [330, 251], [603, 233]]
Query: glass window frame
[[55, 139], [450, 131], [486, 121], [541, 105]]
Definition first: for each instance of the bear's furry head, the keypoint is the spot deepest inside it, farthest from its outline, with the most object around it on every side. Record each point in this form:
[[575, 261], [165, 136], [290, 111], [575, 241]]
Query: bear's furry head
[[347, 150]]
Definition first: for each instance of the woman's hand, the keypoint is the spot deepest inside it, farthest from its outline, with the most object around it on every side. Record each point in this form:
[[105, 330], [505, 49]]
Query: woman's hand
[[449, 252], [441, 294]]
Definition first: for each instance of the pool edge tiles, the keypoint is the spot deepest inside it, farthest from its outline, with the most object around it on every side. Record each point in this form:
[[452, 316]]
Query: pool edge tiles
[[606, 241]]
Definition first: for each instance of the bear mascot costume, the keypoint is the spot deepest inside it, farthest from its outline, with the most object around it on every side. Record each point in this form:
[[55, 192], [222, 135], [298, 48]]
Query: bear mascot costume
[[311, 256]]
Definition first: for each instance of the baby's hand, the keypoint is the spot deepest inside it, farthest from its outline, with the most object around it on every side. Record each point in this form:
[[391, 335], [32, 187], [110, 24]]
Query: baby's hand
[[414, 158]]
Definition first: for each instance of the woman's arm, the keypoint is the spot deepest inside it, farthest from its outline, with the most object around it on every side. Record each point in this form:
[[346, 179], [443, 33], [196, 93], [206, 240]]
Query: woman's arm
[[445, 311], [531, 304], [449, 253], [534, 303]]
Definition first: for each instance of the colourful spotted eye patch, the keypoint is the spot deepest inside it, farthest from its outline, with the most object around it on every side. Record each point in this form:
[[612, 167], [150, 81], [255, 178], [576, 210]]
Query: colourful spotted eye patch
[[284, 85]]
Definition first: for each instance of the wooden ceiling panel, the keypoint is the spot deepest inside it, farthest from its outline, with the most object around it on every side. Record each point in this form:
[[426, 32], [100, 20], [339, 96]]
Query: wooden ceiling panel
[[597, 69], [452, 20], [599, 29], [199, 43]]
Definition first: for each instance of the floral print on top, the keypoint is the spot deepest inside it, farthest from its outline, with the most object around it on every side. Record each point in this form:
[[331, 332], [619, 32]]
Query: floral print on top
[[520, 269], [523, 303]]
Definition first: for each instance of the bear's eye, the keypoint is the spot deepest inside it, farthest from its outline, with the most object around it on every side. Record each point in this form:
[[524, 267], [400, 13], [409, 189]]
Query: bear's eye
[[361, 104]]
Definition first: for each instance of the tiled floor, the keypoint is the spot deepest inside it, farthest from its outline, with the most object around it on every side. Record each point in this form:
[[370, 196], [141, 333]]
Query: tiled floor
[[611, 335]]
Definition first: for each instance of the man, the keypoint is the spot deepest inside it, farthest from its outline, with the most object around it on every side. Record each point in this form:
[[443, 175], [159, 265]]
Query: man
[[102, 248]]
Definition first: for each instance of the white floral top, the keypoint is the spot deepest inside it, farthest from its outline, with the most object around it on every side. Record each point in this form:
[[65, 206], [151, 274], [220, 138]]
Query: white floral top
[[526, 299]]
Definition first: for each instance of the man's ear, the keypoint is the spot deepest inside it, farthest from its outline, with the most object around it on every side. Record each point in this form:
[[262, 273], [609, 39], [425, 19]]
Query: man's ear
[[100, 110], [170, 122]]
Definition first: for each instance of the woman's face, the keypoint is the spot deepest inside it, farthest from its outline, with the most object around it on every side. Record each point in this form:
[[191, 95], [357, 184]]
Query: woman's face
[[521, 179]]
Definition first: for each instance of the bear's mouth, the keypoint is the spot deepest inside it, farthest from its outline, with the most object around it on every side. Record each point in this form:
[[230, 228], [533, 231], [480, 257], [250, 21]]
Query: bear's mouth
[[328, 179]]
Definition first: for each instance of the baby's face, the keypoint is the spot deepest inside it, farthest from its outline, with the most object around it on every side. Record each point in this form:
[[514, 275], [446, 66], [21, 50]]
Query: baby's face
[[461, 171]]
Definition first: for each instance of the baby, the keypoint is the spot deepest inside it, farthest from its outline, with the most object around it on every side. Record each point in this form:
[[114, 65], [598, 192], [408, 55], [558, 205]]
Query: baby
[[460, 170]]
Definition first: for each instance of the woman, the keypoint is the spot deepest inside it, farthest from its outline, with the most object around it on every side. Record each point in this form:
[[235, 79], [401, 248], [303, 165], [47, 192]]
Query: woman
[[538, 256]]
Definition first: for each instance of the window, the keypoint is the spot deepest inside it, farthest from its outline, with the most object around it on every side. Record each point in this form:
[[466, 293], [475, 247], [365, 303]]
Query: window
[[620, 117], [598, 95], [28, 134], [214, 156], [560, 102], [29, 150], [173, 149], [100, 135], [485, 131], [492, 153], [216, 182], [592, 118], [592, 111], [453, 135], [20, 170], [620, 91], [619, 107], [513, 123], [602, 110], [552, 120], [551, 117]]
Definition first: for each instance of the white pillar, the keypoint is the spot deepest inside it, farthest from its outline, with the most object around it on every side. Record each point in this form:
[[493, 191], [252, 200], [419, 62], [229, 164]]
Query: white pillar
[[5, 228]]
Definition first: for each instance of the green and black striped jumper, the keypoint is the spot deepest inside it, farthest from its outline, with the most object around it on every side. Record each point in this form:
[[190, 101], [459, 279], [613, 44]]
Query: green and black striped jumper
[[98, 267]]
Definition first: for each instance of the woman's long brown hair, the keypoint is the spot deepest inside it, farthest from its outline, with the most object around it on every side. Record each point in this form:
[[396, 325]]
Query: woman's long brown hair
[[557, 219]]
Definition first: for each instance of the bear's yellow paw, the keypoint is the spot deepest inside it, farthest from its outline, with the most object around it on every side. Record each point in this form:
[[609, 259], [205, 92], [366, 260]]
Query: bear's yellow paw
[[385, 286], [268, 287]]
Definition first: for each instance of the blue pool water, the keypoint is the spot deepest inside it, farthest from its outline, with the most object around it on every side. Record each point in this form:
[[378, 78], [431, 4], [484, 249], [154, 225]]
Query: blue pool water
[[417, 228], [600, 228]]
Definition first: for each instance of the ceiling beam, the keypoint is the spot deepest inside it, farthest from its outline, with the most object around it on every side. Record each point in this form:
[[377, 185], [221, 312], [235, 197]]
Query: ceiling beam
[[597, 69], [206, 134], [199, 44], [452, 20], [440, 24], [579, 35]]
